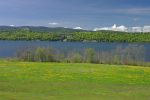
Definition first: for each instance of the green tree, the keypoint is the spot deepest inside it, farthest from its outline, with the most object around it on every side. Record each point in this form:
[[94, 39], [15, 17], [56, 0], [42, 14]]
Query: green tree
[[89, 54]]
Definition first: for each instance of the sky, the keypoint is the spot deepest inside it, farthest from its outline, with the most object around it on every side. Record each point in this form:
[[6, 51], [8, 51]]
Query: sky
[[87, 14]]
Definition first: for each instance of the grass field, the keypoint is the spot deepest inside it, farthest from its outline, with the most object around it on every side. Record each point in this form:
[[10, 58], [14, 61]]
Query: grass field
[[54, 81]]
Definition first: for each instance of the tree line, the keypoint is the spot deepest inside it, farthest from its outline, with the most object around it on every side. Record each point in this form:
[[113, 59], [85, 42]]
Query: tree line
[[99, 36], [130, 55]]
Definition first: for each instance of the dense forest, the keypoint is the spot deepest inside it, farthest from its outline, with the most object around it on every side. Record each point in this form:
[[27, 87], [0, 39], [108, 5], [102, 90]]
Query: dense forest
[[64, 34]]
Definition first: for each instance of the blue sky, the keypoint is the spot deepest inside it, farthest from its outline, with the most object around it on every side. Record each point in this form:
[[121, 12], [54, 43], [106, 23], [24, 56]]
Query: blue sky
[[72, 13]]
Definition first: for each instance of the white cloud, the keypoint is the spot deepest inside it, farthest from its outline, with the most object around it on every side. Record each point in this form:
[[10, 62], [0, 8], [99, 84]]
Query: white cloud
[[124, 28], [12, 25], [104, 28], [137, 29], [66, 27], [53, 23], [146, 29], [113, 28], [78, 28], [141, 29]]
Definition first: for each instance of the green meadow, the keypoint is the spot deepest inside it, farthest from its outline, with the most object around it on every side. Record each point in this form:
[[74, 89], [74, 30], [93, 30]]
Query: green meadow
[[61, 81]]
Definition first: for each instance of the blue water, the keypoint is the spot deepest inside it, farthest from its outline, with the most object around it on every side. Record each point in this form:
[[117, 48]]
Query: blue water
[[9, 48]]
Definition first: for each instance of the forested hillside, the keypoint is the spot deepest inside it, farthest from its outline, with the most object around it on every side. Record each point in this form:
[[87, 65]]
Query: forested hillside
[[66, 34]]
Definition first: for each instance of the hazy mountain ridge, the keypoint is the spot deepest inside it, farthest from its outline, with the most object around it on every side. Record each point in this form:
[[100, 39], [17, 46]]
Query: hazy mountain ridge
[[57, 29], [40, 29]]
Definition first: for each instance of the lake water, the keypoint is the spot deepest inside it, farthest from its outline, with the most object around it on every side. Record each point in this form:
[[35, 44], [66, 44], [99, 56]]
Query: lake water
[[9, 48]]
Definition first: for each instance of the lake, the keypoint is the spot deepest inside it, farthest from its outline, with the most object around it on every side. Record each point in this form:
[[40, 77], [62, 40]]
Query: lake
[[9, 48]]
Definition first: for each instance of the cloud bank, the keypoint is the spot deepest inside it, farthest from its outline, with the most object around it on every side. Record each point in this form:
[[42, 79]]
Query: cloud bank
[[12, 25], [123, 28], [53, 23], [113, 28], [78, 28]]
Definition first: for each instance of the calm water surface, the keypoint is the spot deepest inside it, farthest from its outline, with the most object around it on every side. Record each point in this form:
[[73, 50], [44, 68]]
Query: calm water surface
[[9, 48]]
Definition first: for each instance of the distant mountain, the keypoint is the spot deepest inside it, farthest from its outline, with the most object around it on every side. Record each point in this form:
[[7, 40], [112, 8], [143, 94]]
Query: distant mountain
[[40, 29]]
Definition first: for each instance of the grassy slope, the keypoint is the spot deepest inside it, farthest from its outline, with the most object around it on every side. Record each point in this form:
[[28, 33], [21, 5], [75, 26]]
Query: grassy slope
[[53, 81]]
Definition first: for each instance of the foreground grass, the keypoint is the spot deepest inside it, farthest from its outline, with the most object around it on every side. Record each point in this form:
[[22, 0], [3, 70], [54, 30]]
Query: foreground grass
[[54, 81]]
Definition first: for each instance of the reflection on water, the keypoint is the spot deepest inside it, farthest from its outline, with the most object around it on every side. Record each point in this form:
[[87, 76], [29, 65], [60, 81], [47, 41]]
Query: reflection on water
[[9, 48]]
